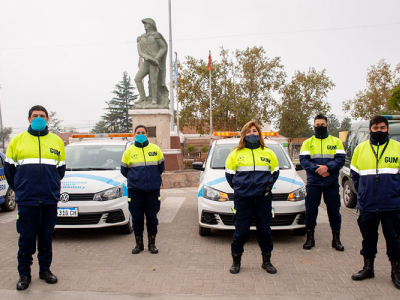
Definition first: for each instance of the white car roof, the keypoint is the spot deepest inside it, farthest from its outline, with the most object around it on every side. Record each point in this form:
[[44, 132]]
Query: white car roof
[[100, 142], [236, 141]]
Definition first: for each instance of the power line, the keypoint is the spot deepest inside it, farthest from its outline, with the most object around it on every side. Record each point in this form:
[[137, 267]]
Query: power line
[[210, 37]]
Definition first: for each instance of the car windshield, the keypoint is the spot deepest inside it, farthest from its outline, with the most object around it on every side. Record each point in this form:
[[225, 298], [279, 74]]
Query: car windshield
[[395, 137], [221, 152], [94, 157]]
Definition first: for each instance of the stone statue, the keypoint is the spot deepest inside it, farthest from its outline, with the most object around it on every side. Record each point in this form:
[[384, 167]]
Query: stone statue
[[153, 48]]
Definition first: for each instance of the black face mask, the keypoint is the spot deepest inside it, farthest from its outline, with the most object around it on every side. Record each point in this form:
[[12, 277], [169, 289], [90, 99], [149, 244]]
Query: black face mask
[[252, 141], [379, 136], [321, 132]]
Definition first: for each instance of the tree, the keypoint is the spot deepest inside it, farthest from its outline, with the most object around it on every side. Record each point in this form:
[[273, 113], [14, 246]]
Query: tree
[[5, 135], [302, 98], [345, 124], [101, 127], [394, 100], [54, 124], [373, 100], [333, 124], [117, 118], [240, 92]]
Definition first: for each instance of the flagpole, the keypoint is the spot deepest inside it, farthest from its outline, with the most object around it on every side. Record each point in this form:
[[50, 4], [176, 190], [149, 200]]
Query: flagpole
[[210, 103], [171, 85], [177, 93]]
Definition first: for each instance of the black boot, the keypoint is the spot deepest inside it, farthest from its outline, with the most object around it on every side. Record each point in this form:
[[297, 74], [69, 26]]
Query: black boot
[[152, 244], [235, 268], [267, 263], [367, 271], [396, 273], [336, 241], [23, 282], [48, 276], [310, 242], [139, 245]]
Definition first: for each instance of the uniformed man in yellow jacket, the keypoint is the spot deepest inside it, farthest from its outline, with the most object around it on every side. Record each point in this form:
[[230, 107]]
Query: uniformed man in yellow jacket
[[322, 156], [34, 167], [375, 172], [142, 164]]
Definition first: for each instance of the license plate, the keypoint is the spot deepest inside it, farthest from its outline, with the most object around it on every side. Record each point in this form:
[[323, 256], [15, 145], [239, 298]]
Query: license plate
[[67, 212], [273, 212]]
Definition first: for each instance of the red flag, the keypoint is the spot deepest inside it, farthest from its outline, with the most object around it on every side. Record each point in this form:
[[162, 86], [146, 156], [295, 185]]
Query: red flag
[[209, 62]]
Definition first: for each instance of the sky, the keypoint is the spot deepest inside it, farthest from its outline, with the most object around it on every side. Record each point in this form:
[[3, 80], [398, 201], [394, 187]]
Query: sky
[[68, 55]]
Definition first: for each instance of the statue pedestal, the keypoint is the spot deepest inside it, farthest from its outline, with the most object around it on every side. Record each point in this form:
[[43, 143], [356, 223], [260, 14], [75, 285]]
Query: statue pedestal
[[157, 122]]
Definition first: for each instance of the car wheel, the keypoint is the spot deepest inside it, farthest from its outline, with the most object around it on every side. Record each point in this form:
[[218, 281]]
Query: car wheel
[[10, 204], [349, 197], [300, 231], [128, 227], [204, 231]]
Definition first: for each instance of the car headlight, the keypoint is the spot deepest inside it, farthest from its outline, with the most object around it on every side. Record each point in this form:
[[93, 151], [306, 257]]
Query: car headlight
[[109, 194], [212, 194], [298, 195]]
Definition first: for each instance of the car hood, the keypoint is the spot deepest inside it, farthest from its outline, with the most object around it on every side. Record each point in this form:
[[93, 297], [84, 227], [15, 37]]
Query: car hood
[[85, 182], [287, 182]]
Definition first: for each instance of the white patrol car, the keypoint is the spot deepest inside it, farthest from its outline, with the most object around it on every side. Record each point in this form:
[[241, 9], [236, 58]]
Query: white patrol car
[[7, 195], [93, 190], [215, 196]]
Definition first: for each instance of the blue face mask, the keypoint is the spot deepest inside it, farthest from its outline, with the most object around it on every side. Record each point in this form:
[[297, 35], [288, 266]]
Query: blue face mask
[[252, 138], [38, 124], [141, 138]]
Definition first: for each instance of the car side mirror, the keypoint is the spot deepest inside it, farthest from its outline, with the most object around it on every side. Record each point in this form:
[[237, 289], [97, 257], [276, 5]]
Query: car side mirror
[[198, 165], [298, 167]]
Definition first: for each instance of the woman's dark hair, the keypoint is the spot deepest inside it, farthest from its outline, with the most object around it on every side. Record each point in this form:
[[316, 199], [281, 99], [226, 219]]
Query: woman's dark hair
[[140, 126], [38, 107], [378, 119]]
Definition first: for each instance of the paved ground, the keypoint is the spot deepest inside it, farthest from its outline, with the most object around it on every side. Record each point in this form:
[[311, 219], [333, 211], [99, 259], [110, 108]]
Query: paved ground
[[98, 264]]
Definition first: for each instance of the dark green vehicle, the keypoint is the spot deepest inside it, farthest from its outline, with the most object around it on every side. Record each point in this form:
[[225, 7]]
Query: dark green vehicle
[[358, 133]]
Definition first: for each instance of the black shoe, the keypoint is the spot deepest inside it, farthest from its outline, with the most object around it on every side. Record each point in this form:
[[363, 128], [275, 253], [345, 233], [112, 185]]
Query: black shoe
[[366, 272], [23, 282], [310, 242], [235, 268], [266, 265], [152, 244], [396, 273], [48, 277], [139, 245], [336, 241]]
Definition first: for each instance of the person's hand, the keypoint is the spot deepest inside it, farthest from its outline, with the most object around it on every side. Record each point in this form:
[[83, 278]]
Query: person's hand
[[322, 169], [326, 174]]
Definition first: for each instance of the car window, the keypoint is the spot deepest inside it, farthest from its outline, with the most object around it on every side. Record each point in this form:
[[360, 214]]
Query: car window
[[94, 156], [221, 152], [1, 162], [395, 137]]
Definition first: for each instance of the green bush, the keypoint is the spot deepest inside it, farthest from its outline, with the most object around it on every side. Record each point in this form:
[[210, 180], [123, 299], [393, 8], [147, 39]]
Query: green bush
[[190, 148], [204, 149]]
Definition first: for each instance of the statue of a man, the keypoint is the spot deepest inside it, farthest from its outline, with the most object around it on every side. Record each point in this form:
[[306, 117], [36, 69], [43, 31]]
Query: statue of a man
[[152, 47]]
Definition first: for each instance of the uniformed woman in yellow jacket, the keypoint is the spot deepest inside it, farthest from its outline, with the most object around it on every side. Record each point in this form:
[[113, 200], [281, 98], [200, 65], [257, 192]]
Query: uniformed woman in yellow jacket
[[142, 164], [251, 169]]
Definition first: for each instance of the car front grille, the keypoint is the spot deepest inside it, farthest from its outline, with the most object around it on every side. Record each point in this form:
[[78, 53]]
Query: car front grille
[[81, 219], [277, 197], [81, 197], [278, 220]]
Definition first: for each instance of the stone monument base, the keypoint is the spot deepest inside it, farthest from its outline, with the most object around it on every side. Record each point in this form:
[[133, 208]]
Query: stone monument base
[[158, 123]]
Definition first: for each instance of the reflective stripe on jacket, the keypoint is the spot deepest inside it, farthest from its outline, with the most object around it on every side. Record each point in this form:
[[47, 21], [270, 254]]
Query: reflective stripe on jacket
[[34, 167], [328, 152], [143, 166], [373, 195], [250, 171]]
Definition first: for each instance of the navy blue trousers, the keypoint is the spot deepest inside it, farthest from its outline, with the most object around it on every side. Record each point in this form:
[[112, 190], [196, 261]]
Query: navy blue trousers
[[35, 222], [259, 208], [369, 224], [144, 204], [332, 201]]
